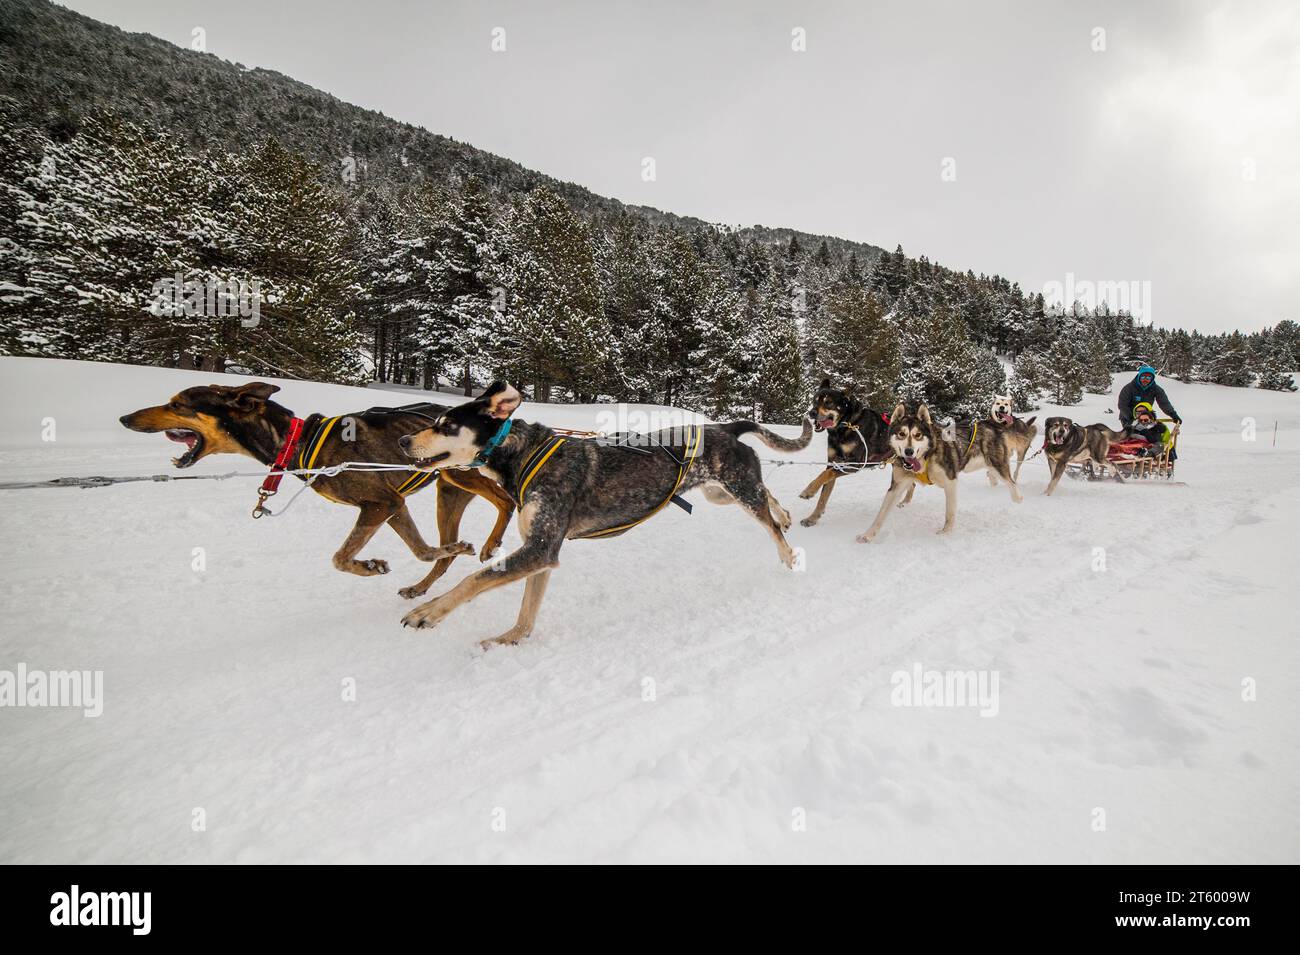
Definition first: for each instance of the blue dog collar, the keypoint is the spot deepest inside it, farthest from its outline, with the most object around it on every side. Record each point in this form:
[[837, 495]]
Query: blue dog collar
[[493, 443]]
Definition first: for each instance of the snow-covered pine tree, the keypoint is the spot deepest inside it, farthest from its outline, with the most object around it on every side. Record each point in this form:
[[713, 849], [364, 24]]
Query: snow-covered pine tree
[[1180, 357], [862, 344], [24, 329], [293, 237], [813, 282], [95, 232], [693, 301], [1096, 362], [560, 339], [1028, 374], [1231, 364], [394, 274], [1063, 373], [1024, 397], [942, 368], [628, 258], [778, 391], [720, 383], [1041, 327], [890, 275], [985, 378], [1286, 334], [460, 331], [1275, 369]]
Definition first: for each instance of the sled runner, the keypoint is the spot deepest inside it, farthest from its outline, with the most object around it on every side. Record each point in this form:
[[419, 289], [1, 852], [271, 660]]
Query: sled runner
[[1135, 458]]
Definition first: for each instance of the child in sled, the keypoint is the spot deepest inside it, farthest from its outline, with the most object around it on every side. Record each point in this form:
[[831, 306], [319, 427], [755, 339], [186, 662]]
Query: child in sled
[[1157, 434]]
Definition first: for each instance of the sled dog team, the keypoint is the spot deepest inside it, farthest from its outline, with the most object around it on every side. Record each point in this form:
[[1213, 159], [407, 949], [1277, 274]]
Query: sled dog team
[[565, 487]]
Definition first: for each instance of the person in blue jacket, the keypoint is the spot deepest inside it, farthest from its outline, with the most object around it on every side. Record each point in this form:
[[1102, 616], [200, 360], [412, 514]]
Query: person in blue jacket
[[1143, 388]]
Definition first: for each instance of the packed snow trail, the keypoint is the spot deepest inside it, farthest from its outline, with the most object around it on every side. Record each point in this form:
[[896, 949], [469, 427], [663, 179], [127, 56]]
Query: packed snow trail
[[684, 697]]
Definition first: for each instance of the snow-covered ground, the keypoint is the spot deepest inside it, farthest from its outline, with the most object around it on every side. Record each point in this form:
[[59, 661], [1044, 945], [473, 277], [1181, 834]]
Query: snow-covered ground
[[684, 697]]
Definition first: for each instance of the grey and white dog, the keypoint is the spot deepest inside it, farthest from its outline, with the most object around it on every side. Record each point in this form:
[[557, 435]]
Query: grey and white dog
[[572, 488], [1020, 434], [922, 453]]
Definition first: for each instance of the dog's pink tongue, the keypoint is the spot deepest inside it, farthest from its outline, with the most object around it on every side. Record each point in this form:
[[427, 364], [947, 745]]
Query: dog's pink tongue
[[186, 438], [826, 423]]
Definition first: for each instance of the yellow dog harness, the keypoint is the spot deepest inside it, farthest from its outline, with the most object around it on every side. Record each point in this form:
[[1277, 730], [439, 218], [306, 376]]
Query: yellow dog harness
[[310, 451], [537, 460]]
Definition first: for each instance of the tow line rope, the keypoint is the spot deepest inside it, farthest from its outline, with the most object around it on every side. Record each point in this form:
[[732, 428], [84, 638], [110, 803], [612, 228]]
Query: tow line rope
[[104, 481], [100, 480], [842, 467]]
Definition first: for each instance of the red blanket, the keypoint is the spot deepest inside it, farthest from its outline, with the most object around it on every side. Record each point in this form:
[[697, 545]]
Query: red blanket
[[1119, 449]]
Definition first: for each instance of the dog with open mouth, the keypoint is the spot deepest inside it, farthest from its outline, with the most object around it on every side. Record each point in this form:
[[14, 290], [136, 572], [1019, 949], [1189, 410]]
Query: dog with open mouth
[[223, 419], [855, 435], [1065, 443], [1020, 434], [924, 454], [568, 488]]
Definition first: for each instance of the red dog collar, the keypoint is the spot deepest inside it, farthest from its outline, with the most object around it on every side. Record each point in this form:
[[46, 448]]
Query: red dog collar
[[272, 482]]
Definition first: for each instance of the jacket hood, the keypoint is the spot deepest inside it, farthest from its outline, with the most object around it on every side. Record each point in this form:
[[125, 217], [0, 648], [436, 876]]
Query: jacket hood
[[1144, 370]]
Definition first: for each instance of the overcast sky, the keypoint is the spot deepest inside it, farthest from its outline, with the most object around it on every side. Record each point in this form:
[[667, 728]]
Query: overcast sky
[[1170, 157]]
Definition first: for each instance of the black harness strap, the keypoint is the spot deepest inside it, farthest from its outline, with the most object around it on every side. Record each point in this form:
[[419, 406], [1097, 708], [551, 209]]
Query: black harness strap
[[694, 441]]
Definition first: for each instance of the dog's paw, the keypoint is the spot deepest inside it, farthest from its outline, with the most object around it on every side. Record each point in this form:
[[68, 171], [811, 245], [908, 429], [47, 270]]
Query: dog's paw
[[489, 551], [510, 638], [425, 617], [457, 549], [865, 538], [944, 530], [808, 522], [807, 495], [372, 568], [413, 591]]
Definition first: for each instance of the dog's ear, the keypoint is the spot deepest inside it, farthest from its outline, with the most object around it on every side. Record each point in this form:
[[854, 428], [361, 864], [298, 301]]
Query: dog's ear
[[251, 396], [826, 383], [898, 412], [849, 390], [1032, 420], [257, 389], [923, 413], [500, 400]]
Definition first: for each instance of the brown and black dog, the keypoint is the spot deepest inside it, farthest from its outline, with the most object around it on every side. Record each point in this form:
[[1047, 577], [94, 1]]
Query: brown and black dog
[[1066, 443], [220, 419], [857, 437]]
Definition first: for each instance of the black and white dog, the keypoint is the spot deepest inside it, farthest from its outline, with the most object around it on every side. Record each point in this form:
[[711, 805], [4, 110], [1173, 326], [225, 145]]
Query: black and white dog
[[573, 488]]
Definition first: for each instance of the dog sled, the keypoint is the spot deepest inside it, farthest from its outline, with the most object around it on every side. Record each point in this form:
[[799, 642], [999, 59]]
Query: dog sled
[[1134, 459]]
